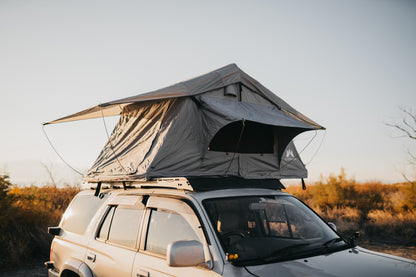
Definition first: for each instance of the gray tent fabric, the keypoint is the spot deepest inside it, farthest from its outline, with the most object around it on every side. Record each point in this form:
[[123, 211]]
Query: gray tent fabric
[[169, 138], [221, 124]]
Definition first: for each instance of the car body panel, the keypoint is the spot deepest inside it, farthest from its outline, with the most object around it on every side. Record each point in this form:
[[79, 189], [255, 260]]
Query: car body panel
[[147, 264], [108, 260], [357, 262]]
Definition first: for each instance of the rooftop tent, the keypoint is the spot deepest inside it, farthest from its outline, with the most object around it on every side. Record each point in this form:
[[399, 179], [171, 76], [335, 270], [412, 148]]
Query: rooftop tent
[[223, 123]]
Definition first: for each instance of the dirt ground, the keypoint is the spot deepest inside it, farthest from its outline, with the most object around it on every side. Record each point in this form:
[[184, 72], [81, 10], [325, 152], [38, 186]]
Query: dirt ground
[[398, 250], [32, 271]]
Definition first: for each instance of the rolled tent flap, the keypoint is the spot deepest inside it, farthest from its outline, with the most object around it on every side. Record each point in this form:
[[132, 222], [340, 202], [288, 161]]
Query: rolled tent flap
[[270, 115], [203, 127]]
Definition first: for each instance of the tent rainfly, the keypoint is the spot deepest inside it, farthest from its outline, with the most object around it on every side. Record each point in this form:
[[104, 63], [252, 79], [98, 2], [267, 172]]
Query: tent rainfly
[[221, 124]]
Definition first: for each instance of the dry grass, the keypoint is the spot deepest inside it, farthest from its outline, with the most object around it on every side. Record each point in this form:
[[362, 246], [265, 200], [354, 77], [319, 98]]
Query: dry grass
[[399, 227], [26, 214], [381, 212]]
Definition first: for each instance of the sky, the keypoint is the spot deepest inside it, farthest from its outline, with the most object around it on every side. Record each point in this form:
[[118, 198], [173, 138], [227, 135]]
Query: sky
[[348, 65]]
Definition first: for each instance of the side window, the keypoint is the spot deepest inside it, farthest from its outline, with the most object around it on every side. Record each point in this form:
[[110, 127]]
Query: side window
[[125, 226], [78, 216], [121, 226], [165, 227], [105, 226]]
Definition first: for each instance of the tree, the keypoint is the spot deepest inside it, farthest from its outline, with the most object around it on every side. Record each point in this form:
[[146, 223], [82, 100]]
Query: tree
[[49, 171], [4, 186], [407, 129]]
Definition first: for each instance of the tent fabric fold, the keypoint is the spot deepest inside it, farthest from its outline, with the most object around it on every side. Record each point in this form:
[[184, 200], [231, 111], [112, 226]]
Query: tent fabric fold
[[168, 132]]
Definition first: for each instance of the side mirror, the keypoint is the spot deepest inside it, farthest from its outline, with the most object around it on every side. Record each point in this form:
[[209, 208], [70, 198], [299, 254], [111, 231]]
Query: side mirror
[[332, 225], [55, 231], [185, 253]]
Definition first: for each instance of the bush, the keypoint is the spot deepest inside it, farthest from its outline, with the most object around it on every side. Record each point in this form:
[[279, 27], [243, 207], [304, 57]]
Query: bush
[[386, 212], [26, 214], [397, 227]]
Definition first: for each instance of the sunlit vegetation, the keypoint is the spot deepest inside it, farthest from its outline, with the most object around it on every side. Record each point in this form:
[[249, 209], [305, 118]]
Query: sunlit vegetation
[[26, 213], [385, 212]]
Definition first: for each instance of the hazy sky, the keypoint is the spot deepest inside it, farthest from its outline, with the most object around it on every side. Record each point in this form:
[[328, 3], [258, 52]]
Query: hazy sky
[[348, 65]]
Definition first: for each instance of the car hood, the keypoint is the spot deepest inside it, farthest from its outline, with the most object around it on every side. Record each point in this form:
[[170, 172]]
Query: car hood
[[351, 262]]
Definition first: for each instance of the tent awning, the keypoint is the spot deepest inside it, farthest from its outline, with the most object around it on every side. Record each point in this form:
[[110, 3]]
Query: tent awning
[[94, 112]]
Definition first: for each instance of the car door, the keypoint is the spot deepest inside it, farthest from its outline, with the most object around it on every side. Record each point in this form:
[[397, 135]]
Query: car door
[[168, 220], [112, 251]]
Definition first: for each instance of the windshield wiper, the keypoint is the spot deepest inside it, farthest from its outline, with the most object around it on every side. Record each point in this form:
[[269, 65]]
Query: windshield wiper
[[288, 252], [331, 242], [282, 252]]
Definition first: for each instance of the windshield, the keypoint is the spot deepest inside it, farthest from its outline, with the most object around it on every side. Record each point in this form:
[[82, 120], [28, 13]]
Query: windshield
[[263, 229]]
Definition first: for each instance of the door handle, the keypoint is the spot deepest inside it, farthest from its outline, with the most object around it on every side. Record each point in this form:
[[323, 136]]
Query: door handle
[[91, 257], [143, 273]]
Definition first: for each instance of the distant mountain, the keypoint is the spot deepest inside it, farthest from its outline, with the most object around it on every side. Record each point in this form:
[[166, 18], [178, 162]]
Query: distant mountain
[[41, 173]]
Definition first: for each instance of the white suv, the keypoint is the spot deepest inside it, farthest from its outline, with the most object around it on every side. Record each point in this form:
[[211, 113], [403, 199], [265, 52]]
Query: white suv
[[175, 228]]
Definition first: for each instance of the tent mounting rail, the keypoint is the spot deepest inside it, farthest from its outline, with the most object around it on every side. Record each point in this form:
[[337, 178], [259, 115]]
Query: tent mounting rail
[[192, 184]]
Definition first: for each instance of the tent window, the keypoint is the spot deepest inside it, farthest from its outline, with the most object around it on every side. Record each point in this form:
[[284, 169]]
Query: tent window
[[255, 138]]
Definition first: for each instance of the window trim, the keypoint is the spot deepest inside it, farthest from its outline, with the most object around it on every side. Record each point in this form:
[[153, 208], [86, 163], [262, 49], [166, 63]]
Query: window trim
[[114, 207], [143, 236], [143, 239], [100, 224]]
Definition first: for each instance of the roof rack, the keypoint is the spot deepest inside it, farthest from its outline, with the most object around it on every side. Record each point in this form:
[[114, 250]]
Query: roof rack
[[180, 183], [193, 184]]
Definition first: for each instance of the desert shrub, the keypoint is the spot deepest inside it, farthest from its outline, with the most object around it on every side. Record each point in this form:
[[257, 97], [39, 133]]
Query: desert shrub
[[334, 192], [346, 219], [26, 214], [382, 211], [5, 211], [403, 198], [398, 227]]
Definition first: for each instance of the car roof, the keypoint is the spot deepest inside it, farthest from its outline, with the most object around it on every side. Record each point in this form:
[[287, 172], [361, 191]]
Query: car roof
[[238, 192]]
